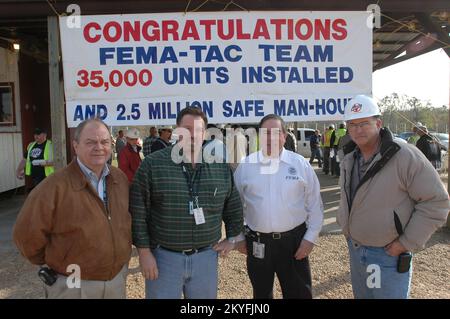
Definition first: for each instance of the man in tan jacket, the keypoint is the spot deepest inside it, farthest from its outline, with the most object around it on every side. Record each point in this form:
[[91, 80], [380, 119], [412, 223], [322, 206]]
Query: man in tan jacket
[[392, 201], [77, 222]]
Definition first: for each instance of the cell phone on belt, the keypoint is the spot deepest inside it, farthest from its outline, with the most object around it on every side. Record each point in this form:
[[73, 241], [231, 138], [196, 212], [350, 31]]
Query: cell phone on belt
[[47, 275], [404, 262]]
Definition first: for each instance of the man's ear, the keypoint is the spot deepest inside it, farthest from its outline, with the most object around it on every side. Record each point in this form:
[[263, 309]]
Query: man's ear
[[379, 123], [75, 145]]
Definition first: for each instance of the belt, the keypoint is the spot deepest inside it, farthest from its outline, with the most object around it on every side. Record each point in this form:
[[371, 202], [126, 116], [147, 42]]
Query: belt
[[187, 252], [275, 235]]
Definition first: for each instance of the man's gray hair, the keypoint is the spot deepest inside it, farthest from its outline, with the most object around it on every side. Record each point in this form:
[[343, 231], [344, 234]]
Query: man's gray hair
[[80, 127]]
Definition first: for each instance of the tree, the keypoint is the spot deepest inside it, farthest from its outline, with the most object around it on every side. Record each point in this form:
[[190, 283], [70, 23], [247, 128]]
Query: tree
[[399, 113]]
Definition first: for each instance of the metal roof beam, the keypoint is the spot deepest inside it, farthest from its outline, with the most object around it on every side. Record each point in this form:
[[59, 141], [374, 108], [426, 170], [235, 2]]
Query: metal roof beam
[[388, 62], [36, 8], [431, 27]]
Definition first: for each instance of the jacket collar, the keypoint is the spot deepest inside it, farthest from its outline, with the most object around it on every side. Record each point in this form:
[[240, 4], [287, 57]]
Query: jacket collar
[[79, 180], [162, 141]]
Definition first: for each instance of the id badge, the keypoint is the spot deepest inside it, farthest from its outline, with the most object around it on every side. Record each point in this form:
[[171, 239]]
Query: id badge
[[199, 216], [258, 250]]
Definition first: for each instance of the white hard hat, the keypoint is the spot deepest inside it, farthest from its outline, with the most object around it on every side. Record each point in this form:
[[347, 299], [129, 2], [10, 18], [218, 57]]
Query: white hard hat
[[132, 133], [361, 106], [423, 127]]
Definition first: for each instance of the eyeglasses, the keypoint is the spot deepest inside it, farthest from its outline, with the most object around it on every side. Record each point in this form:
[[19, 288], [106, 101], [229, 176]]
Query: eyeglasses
[[362, 125]]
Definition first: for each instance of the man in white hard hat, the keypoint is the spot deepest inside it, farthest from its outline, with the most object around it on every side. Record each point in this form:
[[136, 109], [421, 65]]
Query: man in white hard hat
[[392, 201], [429, 147], [129, 158], [415, 137]]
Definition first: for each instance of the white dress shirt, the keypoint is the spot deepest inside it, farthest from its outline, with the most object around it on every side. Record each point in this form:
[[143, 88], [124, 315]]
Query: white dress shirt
[[280, 194]]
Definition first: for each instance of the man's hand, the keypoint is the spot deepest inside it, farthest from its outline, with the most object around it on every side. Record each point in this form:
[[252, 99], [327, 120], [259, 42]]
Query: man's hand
[[395, 248], [47, 163], [20, 175], [20, 171], [224, 247], [304, 250], [242, 247], [149, 268]]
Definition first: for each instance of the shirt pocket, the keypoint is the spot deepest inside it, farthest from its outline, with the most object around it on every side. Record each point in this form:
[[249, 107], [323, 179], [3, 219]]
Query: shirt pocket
[[216, 199], [293, 190], [293, 195]]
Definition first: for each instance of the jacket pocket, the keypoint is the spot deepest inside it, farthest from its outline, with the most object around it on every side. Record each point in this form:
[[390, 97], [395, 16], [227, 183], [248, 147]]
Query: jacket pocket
[[398, 224]]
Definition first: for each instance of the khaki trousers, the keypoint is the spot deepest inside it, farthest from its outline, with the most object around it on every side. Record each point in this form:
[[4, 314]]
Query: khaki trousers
[[89, 289]]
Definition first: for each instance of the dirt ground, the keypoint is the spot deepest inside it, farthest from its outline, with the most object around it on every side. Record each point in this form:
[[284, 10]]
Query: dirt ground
[[329, 263]]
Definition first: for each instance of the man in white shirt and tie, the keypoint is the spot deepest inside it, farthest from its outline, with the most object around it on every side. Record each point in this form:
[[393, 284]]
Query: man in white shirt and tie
[[283, 212]]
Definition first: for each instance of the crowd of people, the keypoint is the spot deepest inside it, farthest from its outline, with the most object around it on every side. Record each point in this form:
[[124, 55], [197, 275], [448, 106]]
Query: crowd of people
[[172, 204]]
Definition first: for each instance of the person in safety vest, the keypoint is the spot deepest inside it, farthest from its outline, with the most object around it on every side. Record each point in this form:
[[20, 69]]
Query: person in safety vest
[[38, 159], [334, 143], [326, 149]]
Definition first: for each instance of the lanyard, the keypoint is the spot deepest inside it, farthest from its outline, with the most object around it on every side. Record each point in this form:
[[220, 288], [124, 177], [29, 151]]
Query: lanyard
[[193, 192]]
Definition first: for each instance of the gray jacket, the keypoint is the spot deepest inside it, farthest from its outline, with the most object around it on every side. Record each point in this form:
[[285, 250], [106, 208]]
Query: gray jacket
[[404, 198]]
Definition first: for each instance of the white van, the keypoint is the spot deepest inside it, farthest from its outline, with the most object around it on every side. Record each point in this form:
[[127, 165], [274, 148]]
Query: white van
[[303, 136]]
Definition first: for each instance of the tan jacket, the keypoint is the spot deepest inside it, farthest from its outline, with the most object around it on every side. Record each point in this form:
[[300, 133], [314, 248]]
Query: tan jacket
[[407, 186], [63, 221]]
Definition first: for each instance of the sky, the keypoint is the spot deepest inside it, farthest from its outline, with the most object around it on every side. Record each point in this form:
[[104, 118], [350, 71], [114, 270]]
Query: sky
[[426, 77]]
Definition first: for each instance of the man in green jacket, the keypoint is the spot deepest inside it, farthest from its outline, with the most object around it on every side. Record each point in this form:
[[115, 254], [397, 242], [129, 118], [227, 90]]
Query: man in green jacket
[[178, 202]]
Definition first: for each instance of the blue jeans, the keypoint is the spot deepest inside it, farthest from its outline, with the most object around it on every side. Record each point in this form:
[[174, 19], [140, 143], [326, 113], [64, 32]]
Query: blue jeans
[[193, 275], [364, 263], [315, 153]]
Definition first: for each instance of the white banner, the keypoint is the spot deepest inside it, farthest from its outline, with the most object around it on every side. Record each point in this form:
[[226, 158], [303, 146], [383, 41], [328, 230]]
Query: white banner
[[142, 69]]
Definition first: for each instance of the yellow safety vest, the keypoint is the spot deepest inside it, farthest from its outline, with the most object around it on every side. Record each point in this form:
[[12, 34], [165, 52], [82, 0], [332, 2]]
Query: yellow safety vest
[[327, 138], [337, 136], [47, 150]]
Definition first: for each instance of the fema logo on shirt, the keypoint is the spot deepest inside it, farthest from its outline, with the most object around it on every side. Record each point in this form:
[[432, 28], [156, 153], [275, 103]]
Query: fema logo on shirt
[[293, 174]]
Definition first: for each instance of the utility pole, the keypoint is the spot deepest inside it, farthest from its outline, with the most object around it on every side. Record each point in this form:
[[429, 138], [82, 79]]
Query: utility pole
[[57, 106]]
